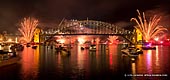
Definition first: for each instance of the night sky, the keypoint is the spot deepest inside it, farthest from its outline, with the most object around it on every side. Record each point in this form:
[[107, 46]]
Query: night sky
[[50, 12]]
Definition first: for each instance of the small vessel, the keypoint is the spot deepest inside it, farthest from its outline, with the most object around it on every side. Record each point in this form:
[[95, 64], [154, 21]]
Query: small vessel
[[132, 54], [65, 52], [148, 48], [129, 53], [92, 48], [82, 48], [17, 47], [9, 61], [34, 47], [28, 45], [136, 50], [59, 48], [5, 52], [8, 58], [87, 47], [139, 51]]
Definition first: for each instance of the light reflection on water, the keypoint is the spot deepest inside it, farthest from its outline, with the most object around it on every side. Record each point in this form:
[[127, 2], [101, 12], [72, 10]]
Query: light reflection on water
[[133, 65], [106, 63], [149, 61], [30, 63]]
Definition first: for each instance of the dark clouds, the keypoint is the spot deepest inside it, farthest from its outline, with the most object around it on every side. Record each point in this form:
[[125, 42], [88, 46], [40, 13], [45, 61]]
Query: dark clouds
[[52, 11]]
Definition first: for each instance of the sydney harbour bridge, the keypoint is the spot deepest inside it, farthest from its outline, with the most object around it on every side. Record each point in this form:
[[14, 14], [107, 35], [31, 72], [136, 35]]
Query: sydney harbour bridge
[[87, 27]]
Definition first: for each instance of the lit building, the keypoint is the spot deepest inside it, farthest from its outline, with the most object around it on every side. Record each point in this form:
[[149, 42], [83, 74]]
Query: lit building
[[138, 37], [37, 35]]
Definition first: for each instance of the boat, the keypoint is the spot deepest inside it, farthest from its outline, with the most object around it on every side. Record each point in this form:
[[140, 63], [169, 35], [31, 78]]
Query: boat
[[131, 53], [59, 48], [28, 45], [65, 52], [8, 59], [148, 48], [136, 50], [87, 47], [6, 52], [17, 47], [34, 47], [139, 51], [92, 48], [82, 48]]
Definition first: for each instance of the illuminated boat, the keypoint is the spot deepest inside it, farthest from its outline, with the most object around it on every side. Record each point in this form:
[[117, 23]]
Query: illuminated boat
[[65, 52], [5, 52], [139, 51], [92, 48], [87, 47], [149, 48], [17, 47], [28, 44], [130, 53], [8, 59], [136, 50], [59, 48], [34, 47], [132, 56], [82, 48]]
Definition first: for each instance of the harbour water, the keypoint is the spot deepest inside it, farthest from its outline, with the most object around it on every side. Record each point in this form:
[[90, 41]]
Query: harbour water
[[107, 63]]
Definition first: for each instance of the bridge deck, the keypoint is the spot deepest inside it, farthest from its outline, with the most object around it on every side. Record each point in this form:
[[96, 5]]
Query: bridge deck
[[85, 34]]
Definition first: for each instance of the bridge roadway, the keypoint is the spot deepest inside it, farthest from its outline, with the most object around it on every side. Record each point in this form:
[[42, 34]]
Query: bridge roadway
[[52, 35], [123, 35]]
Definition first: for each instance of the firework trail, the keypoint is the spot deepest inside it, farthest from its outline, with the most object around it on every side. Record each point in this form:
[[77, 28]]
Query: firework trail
[[149, 29], [28, 26]]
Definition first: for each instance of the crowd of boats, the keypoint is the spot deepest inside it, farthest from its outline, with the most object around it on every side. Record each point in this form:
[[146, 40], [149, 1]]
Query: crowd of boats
[[90, 48], [10, 56], [66, 50], [133, 52]]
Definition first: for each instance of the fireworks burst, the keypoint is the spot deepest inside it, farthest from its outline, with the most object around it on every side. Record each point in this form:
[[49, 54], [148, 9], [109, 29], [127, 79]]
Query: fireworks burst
[[28, 26], [112, 38], [149, 29], [97, 40]]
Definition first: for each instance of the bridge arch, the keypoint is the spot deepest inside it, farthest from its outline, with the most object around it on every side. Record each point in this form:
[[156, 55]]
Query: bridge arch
[[88, 27]]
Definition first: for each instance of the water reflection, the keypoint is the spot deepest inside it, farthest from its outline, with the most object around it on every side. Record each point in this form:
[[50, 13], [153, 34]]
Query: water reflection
[[30, 63], [106, 63], [81, 57], [149, 61], [113, 56], [133, 65], [157, 57]]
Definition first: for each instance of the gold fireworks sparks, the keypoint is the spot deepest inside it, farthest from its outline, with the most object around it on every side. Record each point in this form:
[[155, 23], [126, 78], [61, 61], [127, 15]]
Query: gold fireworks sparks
[[28, 26], [149, 29], [112, 38]]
